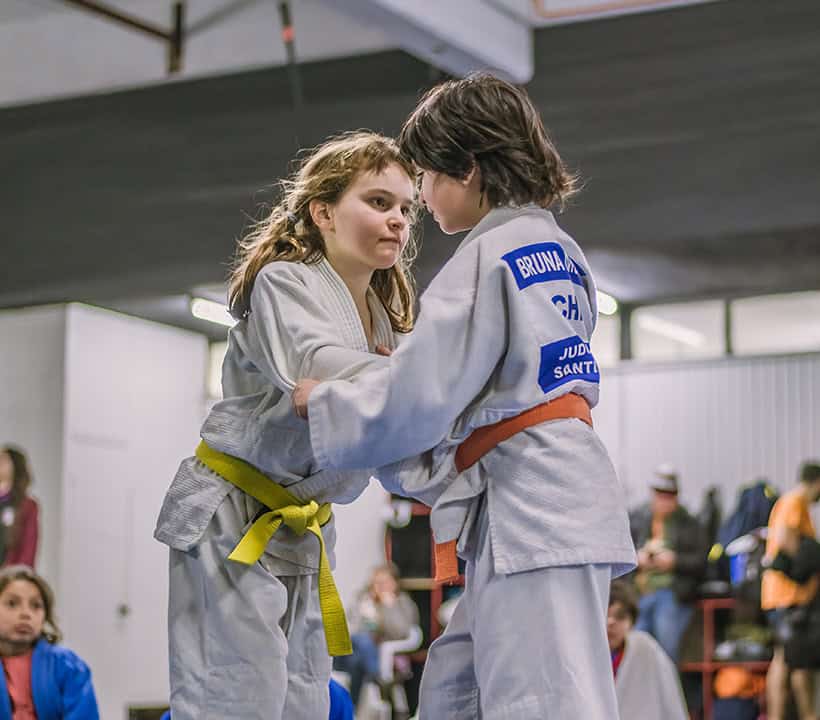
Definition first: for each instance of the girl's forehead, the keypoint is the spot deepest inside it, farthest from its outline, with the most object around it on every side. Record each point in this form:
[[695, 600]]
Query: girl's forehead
[[393, 178], [23, 587]]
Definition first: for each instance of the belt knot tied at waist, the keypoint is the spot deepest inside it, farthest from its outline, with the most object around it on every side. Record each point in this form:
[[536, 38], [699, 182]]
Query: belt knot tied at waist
[[283, 509], [299, 517], [485, 438]]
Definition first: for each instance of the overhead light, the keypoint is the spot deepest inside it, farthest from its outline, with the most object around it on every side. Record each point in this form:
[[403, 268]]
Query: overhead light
[[607, 305], [212, 312], [671, 331]]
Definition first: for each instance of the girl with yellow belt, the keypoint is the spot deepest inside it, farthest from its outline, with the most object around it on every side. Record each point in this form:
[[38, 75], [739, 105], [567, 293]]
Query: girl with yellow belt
[[318, 287]]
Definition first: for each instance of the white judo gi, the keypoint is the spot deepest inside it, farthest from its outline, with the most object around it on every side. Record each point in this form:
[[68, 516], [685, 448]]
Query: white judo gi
[[541, 519], [247, 642], [648, 685]]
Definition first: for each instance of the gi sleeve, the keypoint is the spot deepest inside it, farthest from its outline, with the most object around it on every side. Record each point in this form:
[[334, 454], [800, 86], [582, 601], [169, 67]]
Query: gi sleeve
[[409, 405], [421, 477], [78, 699], [298, 334]]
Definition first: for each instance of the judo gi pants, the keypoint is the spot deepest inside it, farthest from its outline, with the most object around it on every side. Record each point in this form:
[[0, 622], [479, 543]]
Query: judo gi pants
[[244, 644], [526, 646]]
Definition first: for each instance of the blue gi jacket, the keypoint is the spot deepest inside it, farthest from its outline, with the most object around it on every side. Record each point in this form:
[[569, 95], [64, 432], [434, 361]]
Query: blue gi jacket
[[341, 704], [60, 686]]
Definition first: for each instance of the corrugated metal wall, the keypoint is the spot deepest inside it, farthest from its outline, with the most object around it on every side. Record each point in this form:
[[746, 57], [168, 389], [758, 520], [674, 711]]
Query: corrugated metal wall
[[724, 422]]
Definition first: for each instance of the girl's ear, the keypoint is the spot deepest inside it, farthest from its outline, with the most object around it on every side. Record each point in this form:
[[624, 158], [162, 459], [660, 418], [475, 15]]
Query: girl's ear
[[473, 176], [322, 214]]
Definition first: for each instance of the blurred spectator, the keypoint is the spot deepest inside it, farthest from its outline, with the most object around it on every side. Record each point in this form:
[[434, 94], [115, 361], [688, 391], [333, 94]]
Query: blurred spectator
[[18, 510], [671, 562], [646, 681], [786, 601], [799, 558], [711, 515], [382, 613], [751, 513], [41, 680], [737, 690]]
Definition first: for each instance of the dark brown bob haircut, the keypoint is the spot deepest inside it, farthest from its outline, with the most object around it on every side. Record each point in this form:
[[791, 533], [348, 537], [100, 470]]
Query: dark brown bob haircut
[[622, 593], [484, 121], [810, 471]]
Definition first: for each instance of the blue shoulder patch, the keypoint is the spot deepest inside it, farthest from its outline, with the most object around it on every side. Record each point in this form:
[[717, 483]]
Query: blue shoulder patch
[[543, 262], [566, 360]]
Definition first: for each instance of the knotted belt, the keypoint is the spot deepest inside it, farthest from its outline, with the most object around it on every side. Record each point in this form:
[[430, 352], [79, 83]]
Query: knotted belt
[[283, 509], [485, 438]]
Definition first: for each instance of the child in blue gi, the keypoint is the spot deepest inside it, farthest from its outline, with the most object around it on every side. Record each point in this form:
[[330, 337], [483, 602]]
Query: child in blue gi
[[498, 379], [41, 680]]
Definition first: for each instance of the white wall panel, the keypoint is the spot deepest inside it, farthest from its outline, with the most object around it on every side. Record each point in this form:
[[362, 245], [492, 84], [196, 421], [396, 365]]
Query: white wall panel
[[724, 422], [135, 398], [31, 412], [606, 418]]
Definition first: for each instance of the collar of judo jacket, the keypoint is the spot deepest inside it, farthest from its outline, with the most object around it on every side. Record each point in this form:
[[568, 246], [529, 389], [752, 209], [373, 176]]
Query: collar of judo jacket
[[500, 215], [503, 214]]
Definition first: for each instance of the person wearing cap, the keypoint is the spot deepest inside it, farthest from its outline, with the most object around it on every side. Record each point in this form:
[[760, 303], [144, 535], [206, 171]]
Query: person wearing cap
[[671, 562]]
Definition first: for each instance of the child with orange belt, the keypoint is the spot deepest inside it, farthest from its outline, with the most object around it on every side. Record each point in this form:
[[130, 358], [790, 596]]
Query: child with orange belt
[[537, 510]]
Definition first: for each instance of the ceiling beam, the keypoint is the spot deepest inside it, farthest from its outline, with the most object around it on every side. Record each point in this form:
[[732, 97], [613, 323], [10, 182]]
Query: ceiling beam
[[173, 38], [457, 36]]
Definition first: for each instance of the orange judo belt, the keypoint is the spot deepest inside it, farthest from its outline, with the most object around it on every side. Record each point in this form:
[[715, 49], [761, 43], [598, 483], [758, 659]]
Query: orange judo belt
[[484, 439]]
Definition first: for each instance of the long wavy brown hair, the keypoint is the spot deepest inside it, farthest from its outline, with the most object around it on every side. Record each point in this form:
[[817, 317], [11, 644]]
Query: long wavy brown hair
[[19, 489], [288, 232], [51, 630]]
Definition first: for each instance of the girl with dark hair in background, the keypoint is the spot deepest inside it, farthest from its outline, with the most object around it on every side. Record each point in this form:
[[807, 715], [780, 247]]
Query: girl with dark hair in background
[[19, 513]]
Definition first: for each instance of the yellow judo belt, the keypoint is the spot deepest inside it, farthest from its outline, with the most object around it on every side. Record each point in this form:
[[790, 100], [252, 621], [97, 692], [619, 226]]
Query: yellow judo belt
[[299, 517]]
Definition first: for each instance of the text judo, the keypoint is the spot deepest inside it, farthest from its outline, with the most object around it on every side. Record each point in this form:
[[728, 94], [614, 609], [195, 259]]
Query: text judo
[[567, 360]]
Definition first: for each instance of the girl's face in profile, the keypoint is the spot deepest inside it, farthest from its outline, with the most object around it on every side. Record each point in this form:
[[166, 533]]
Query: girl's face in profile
[[454, 203], [22, 613]]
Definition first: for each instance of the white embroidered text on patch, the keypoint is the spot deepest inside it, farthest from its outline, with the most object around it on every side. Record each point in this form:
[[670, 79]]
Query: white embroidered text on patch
[[566, 360], [543, 262]]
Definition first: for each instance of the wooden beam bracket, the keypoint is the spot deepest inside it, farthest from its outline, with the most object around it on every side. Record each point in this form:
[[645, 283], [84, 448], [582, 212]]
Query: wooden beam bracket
[[174, 38]]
